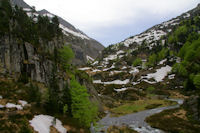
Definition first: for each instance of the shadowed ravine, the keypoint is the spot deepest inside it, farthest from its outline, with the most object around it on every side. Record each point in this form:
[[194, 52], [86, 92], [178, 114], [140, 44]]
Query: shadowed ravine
[[135, 121]]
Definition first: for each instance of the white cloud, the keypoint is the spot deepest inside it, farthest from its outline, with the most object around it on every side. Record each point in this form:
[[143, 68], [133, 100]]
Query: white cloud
[[90, 15]]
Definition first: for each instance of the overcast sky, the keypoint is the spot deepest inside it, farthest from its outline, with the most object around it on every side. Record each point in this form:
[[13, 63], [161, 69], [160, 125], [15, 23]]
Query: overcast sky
[[111, 21]]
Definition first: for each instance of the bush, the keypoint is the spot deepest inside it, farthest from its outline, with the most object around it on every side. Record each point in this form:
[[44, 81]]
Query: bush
[[180, 69], [82, 108], [196, 81], [150, 89], [65, 56], [137, 62], [152, 60]]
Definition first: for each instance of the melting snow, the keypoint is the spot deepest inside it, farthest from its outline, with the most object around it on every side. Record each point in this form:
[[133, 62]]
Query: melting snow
[[134, 70], [11, 105], [120, 52], [1, 106], [23, 103], [78, 34], [84, 68], [150, 36], [162, 62], [117, 82], [110, 57], [171, 76], [122, 89], [96, 70], [113, 66], [27, 9], [160, 74], [114, 72], [42, 123], [186, 15], [171, 22], [49, 15], [89, 58], [96, 62]]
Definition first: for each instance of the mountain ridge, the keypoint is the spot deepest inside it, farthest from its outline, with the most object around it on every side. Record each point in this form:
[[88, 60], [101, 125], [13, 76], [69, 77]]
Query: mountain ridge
[[82, 45]]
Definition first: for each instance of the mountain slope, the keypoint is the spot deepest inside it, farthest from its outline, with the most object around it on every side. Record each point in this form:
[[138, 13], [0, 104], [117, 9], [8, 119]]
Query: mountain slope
[[82, 45], [161, 62]]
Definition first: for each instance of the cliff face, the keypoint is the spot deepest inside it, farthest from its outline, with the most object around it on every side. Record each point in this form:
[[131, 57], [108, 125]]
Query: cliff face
[[22, 59], [82, 45]]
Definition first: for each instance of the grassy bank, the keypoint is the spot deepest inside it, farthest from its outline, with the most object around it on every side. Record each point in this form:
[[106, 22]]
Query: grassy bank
[[140, 105], [173, 121]]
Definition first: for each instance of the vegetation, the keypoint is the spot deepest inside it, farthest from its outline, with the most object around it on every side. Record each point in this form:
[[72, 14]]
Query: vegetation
[[140, 105], [137, 62], [19, 25], [150, 89], [81, 107], [156, 57], [173, 121], [189, 67], [123, 129], [65, 56]]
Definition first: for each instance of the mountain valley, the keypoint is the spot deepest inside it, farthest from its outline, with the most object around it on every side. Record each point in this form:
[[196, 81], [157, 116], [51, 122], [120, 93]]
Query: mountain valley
[[56, 79]]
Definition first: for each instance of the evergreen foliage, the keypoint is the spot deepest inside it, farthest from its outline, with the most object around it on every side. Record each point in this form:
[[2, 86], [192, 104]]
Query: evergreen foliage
[[65, 56], [81, 107], [137, 62], [189, 67]]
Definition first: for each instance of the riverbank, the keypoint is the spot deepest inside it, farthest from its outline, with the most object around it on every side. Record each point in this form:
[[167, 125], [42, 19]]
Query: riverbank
[[174, 121], [135, 121]]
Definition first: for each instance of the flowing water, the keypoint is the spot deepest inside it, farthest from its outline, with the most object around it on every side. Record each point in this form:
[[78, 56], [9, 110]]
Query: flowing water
[[135, 121]]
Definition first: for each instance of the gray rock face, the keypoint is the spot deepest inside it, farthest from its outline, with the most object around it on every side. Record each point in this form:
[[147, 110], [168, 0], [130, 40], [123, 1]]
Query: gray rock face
[[17, 59], [20, 3]]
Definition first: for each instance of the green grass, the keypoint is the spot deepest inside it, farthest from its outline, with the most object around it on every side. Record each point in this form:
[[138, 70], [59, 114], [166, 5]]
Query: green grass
[[140, 105]]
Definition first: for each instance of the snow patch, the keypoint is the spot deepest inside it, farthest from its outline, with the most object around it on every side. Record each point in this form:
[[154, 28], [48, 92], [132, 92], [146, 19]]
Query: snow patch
[[160, 74], [27, 9], [42, 123], [1, 97], [89, 58], [96, 70], [49, 15], [134, 70], [187, 15], [149, 37], [1, 106], [11, 105], [23, 103], [84, 68], [171, 76], [162, 62], [120, 52], [117, 82], [78, 34], [94, 63], [114, 72], [122, 89]]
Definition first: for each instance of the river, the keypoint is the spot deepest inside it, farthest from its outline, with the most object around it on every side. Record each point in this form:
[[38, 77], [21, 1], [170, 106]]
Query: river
[[135, 121]]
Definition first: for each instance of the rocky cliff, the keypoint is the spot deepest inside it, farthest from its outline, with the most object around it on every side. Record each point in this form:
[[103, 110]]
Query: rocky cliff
[[84, 47]]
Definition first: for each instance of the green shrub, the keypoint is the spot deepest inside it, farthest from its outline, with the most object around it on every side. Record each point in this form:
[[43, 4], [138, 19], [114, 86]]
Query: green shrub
[[196, 81], [137, 62], [150, 89], [65, 55], [82, 108]]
